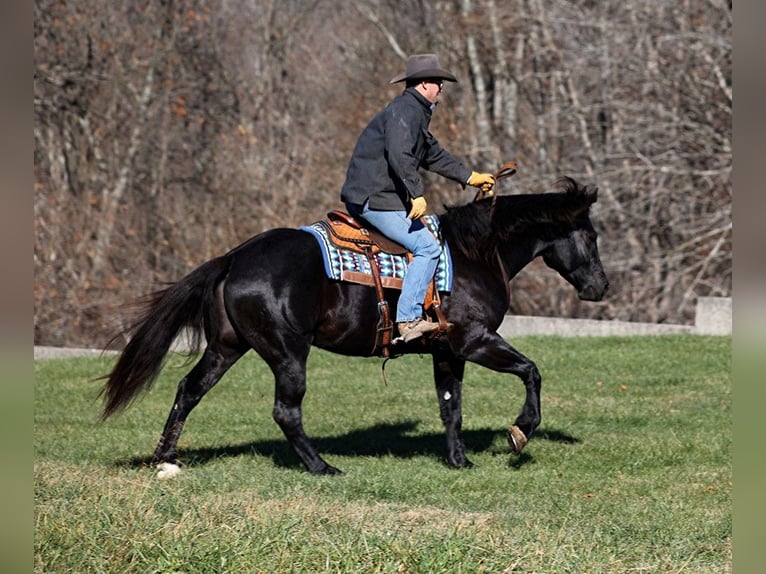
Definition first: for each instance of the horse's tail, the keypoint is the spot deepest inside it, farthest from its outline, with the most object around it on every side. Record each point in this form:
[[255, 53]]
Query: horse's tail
[[166, 312]]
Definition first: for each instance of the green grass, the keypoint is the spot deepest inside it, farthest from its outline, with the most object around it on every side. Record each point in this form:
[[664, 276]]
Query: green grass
[[629, 472]]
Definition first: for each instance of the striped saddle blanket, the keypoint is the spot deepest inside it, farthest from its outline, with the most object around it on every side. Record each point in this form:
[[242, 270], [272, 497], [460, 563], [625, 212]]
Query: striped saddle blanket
[[343, 264]]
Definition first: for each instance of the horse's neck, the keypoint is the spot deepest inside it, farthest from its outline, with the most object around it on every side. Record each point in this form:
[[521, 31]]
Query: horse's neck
[[518, 253]]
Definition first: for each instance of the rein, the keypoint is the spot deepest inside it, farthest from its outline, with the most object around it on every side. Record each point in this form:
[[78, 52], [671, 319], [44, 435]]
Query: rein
[[506, 170]]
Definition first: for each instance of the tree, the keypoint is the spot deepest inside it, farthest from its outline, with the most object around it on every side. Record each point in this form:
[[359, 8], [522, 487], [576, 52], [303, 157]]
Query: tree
[[169, 132]]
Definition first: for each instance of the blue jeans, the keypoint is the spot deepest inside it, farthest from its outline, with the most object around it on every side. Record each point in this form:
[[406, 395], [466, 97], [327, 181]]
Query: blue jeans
[[425, 250]]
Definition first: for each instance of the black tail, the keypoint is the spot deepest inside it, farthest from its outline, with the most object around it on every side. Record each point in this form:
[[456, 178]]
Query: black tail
[[183, 304]]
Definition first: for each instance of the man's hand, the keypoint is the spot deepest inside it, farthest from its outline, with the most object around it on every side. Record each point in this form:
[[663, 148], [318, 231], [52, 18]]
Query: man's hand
[[485, 181], [418, 208]]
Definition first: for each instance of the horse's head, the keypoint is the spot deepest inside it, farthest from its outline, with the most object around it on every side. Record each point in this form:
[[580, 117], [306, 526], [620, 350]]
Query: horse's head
[[518, 228], [574, 253]]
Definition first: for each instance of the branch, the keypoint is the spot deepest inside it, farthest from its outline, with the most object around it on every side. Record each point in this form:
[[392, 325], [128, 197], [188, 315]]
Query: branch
[[372, 17], [704, 265]]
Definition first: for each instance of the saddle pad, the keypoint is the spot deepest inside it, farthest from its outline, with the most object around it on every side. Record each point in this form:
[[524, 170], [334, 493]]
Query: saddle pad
[[345, 265]]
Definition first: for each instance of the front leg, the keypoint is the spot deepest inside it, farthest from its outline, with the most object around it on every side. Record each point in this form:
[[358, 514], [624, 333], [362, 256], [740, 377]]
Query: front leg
[[448, 376], [490, 350]]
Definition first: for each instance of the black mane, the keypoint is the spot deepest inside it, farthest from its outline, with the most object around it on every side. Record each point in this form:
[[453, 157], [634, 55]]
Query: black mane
[[476, 229]]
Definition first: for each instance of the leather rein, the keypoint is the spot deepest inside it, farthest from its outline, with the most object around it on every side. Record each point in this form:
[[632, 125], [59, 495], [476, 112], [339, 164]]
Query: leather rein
[[506, 170]]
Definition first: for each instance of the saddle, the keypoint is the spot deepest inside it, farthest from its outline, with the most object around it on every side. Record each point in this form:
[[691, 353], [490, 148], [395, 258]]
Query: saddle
[[355, 234], [347, 232]]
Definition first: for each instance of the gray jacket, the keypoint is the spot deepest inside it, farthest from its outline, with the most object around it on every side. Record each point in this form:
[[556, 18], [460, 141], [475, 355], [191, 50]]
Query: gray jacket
[[385, 162]]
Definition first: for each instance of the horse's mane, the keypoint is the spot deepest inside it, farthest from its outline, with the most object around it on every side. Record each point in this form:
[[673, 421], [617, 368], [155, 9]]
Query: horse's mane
[[476, 229]]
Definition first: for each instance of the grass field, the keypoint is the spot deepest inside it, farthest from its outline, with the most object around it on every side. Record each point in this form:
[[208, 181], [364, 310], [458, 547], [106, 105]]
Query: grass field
[[630, 470]]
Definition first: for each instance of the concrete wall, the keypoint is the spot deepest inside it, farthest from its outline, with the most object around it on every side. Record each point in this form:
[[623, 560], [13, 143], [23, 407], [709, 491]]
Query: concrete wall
[[712, 317]]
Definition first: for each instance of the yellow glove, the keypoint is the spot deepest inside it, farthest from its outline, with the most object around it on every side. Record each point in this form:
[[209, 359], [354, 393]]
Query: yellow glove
[[485, 181], [418, 208]]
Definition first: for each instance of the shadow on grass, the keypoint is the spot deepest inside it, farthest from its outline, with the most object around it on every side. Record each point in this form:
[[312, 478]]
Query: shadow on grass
[[398, 439]]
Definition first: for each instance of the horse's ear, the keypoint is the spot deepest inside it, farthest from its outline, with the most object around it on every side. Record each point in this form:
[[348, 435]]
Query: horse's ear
[[591, 192]]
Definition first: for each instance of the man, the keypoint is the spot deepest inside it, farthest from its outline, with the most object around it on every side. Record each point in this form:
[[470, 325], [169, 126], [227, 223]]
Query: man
[[384, 188]]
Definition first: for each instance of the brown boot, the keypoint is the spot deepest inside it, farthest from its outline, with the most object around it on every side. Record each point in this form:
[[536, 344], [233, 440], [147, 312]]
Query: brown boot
[[415, 329]]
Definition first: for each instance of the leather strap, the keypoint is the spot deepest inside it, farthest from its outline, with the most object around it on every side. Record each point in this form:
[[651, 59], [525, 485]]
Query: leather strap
[[505, 170], [506, 279], [436, 306], [385, 328]]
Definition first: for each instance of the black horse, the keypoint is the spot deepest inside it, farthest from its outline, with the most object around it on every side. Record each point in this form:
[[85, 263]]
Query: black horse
[[271, 294]]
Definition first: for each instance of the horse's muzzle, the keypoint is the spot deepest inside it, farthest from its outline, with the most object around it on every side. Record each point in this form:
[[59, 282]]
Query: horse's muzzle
[[593, 292]]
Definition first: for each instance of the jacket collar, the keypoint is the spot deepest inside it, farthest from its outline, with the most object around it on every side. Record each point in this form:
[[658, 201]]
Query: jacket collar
[[430, 107]]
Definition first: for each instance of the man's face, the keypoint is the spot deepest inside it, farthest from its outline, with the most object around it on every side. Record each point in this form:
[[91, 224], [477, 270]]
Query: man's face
[[432, 89]]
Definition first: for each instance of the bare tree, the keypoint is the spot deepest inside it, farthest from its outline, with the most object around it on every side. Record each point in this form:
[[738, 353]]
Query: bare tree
[[168, 132]]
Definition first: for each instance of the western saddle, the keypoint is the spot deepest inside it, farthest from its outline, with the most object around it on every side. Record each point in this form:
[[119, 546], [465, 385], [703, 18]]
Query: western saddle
[[347, 232]]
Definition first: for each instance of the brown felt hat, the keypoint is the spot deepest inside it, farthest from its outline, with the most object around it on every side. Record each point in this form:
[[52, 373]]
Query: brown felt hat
[[423, 67]]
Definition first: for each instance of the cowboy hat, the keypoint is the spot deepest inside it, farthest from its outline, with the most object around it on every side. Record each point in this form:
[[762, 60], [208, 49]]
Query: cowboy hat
[[421, 67]]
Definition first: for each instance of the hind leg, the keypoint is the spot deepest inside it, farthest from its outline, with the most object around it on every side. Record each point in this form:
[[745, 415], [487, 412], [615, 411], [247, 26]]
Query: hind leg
[[290, 378], [286, 352], [278, 297], [224, 348], [203, 377]]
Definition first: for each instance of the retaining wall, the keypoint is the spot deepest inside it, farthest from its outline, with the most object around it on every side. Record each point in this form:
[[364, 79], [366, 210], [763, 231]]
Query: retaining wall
[[712, 317]]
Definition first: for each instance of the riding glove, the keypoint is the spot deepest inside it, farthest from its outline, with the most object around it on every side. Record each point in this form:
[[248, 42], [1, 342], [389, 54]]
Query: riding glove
[[418, 208], [483, 180]]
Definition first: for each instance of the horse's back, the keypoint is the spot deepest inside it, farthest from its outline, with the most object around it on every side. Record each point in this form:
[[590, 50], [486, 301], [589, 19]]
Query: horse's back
[[273, 265], [275, 251], [277, 289]]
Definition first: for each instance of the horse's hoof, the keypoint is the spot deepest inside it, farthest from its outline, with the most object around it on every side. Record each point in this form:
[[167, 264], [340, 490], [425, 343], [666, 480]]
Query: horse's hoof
[[516, 438], [460, 463], [168, 470], [325, 470]]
